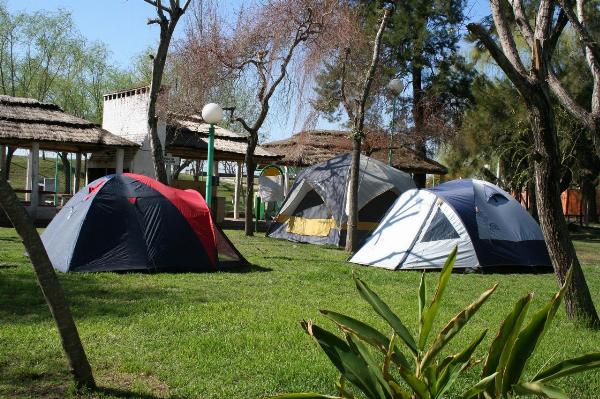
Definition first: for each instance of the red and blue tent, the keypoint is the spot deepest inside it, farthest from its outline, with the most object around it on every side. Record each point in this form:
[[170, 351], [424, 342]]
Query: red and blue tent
[[133, 222]]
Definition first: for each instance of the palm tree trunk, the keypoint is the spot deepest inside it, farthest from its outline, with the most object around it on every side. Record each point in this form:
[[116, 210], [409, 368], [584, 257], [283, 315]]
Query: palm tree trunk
[[50, 286]]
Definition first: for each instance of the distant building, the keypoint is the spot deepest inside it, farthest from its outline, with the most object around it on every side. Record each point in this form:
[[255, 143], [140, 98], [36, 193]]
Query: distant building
[[125, 114]]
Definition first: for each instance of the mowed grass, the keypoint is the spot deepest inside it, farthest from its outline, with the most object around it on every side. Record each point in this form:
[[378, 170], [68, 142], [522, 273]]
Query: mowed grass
[[236, 335]]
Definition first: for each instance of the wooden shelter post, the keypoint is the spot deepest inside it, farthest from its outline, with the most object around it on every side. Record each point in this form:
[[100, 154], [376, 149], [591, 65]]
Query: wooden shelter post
[[77, 171], [2, 157], [120, 159], [28, 177], [286, 181], [85, 168], [237, 190], [35, 176]]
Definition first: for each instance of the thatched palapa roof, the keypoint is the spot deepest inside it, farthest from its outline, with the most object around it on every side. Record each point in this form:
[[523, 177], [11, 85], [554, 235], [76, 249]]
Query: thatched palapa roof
[[315, 146], [24, 121], [187, 137]]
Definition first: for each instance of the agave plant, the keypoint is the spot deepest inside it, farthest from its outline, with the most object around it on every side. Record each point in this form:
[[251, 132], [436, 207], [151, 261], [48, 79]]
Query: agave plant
[[513, 346], [424, 374]]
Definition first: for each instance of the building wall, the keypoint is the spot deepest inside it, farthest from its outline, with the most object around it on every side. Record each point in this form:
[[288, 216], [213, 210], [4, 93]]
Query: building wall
[[125, 114]]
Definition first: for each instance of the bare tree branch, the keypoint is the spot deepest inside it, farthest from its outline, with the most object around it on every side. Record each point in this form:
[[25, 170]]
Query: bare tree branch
[[519, 79], [544, 19], [584, 35], [552, 41], [343, 95], [507, 40], [523, 22], [158, 5]]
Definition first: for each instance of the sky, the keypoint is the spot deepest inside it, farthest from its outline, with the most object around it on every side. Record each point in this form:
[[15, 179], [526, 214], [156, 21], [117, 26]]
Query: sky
[[121, 25]]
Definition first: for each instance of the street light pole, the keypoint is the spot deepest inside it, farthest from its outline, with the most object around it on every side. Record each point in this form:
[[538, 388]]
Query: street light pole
[[212, 114], [210, 161], [390, 155]]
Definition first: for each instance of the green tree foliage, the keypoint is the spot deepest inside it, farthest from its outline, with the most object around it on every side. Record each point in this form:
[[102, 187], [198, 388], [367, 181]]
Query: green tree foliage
[[44, 56], [419, 46]]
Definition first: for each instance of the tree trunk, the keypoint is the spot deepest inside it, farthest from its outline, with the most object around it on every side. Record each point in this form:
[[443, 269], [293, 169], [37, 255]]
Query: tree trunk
[[250, 168], [352, 224], [578, 301], [533, 211], [180, 167], [156, 148], [66, 164], [418, 119], [50, 286]]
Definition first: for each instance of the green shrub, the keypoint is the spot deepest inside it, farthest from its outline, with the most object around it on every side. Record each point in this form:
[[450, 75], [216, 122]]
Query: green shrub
[[423, 373]]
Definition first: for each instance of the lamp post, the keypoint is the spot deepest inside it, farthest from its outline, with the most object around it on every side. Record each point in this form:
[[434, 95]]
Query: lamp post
[[211, 113], [395, 87]]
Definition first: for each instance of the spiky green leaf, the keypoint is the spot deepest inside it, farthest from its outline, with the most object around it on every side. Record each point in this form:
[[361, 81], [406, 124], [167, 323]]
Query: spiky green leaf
[[585, 362], [418, 386], [386, 313], [382, 388], [422, 299], [428, 315], [449, 374], [454, 326], [398, 391], [539, 389], [366, 333], [502, 345], [353, 367], [529, 338], [479, 387]]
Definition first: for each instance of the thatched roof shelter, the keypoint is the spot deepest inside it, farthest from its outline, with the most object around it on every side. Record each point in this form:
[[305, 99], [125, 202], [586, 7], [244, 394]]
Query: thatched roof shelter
[[314, 146], [187, 137], [24, 121]]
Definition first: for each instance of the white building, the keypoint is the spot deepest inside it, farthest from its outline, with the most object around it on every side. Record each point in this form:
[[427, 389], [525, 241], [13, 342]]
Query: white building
[[125, 114]]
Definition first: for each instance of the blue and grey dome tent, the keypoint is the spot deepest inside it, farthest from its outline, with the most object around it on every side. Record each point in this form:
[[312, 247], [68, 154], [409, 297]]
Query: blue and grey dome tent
[[315, 210], [491, 229]]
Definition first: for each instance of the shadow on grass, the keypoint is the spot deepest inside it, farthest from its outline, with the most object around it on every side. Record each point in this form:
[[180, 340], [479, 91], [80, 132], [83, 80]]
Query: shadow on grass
[[250, 268], [59, 385], [587, 234], [123, 393], [90, 296]]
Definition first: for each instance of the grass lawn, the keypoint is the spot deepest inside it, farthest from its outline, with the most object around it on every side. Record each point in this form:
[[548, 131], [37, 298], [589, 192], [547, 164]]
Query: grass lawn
[[236, 335]]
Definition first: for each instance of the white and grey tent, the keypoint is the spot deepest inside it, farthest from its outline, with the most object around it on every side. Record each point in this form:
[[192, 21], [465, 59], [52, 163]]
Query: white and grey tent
[[490, 228], [315, 210]]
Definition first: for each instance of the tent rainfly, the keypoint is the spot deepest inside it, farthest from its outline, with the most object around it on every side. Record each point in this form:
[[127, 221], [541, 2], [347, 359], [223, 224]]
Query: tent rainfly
[[492, 231], [133, 222], [315, 210]]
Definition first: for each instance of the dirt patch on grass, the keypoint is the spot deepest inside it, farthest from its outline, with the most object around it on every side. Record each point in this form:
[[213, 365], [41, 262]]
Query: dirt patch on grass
[[110, 385], [137, 385]]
